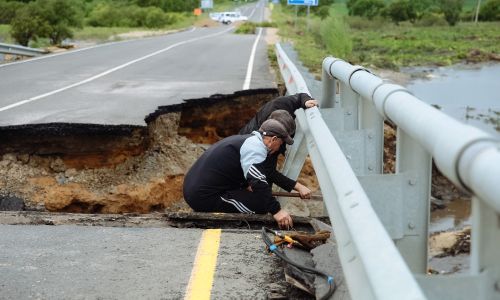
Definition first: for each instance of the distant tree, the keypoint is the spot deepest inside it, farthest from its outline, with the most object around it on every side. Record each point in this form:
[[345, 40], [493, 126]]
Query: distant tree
[[155, 18], [490, 11], [60, 16], [104, 15], [45, 18], [451, 10], [401, 10], [423, 7], [28, 24], [365, 8], [8, 10], [323, 12]]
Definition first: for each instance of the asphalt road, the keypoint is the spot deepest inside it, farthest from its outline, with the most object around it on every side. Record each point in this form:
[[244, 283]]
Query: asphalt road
[[122, 82], [79, 262]]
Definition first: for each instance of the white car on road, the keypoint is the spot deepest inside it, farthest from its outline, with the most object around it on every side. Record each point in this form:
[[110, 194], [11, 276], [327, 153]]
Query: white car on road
[[229, 17]]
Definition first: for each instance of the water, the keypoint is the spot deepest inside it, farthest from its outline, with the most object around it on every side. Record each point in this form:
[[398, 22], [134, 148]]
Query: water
[[469, 93], [456, 215]]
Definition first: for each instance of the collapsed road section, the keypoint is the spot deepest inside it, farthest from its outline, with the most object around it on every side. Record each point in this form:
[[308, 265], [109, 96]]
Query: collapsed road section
[[87, 168]]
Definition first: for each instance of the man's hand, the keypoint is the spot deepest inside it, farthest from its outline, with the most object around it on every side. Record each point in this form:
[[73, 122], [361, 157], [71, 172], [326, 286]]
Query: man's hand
[[284, 219], [311, 103], [304, 191]]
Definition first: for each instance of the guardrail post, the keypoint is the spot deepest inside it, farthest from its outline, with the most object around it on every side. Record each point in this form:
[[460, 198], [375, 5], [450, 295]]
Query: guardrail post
[[295, 156], [414, 161], [349, 101], [373, 124], [329, 91], [485, 240]]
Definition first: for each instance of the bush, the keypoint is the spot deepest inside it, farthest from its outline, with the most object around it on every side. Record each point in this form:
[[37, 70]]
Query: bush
[[490, 11], [401, 10], [8, 11], [45, 18], [246, 28], [365, 8], [356, 22], [104, 15], [155, 18], [451, 10], [335, 36], [323, 12], [266, 24], [431, 20], [27, 24], [60, 15], [116, 15]]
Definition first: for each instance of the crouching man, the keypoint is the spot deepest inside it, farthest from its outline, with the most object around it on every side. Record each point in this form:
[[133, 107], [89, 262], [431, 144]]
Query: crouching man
[[230, 175]]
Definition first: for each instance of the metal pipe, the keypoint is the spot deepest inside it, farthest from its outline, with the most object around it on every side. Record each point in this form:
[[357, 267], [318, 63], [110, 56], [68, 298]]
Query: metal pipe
[[445, 138]]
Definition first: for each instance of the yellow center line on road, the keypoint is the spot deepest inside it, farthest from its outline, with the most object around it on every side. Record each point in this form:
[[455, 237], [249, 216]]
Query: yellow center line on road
[[202, 274]]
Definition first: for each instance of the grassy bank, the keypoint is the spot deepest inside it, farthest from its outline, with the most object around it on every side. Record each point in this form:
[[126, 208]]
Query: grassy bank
[[102, 34], [380, 43], [4, 33], [391, 46]]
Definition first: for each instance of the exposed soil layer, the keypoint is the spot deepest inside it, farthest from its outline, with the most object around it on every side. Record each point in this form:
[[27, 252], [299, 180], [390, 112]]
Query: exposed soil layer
[[86, 168]]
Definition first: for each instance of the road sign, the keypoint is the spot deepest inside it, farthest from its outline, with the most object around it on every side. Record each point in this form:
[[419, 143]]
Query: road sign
[[303, 2], [207, 3]]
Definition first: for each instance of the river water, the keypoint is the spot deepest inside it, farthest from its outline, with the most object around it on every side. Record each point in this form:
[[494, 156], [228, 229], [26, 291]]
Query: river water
[[471, 94]]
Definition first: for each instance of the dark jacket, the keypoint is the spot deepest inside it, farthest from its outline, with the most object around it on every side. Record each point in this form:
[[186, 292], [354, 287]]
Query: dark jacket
[[290, 104], [233, 163]]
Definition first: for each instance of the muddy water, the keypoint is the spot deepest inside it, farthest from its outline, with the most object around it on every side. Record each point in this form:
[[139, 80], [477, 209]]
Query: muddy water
[[469, 93], [456, 215]]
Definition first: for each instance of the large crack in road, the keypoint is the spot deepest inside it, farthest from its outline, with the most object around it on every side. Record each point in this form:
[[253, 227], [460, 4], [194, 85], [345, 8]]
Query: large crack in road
[[88, 168]]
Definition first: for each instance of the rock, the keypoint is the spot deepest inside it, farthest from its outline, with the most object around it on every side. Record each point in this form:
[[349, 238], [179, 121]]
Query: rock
[[24, 158], [8, 203], [58, 165], [9, 157], [71, 172]]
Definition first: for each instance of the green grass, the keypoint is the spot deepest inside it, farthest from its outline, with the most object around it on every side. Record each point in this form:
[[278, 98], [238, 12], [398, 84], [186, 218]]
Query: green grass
[[393, 46], [380, 43], [101, 33], [107, 33], [4, 33]]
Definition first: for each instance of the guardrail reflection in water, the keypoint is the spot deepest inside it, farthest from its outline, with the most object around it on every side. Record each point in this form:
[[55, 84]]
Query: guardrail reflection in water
[[345, 143]]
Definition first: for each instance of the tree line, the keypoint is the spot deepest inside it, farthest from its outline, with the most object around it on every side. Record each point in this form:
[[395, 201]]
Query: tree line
[[53, 19], [413, 10]]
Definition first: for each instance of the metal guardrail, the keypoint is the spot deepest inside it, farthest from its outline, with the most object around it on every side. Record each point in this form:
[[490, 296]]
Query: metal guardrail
[[345, 142], [20, 50], [358, 230]]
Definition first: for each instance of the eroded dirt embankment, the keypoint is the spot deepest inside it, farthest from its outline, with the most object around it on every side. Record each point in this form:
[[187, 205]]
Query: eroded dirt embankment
[[88, 168], [118, 169]]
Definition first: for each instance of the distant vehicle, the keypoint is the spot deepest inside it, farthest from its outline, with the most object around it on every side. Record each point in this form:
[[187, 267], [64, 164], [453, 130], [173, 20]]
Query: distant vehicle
[[215, 15], [229, 17]]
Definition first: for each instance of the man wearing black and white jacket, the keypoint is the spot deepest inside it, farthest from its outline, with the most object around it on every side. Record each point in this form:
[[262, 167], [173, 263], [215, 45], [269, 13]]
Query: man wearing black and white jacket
[[230, 176]]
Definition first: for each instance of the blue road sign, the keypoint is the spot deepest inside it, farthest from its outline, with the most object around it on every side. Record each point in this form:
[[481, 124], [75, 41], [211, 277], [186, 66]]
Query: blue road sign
[[303, 2], [207, 3]]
